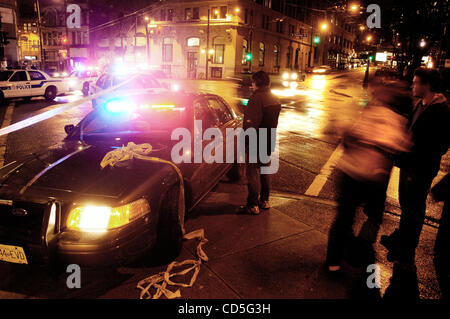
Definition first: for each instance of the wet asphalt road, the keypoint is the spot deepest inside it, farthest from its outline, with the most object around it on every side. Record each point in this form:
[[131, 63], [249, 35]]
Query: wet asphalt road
[[309, 127]]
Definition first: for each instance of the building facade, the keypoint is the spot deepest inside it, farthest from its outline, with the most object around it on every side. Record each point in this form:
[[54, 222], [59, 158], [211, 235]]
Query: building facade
[[230, 37], [8, 51], [64, 45], [29, 43]]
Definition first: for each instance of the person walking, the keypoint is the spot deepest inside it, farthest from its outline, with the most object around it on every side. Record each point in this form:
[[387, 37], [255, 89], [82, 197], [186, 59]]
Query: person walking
[[364, 171], [429, 125], [261, 114]]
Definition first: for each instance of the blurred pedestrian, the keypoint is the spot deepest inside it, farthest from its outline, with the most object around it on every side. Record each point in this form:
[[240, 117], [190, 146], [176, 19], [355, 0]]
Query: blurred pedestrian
[[429, 125], [441, 192], [365, 169], [262, 112]]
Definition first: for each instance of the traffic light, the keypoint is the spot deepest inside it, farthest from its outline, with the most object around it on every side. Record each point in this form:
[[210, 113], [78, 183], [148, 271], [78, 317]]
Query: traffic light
[[370, 58], [248, 56], [316, 40]]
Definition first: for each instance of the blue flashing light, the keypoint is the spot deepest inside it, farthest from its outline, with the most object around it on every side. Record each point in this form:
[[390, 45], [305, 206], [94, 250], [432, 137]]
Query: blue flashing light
[[119, 106]]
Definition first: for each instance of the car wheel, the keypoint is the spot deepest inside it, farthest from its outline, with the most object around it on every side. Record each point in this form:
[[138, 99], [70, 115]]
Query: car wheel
[[170, 235], [236, 172], [85, 89], [50, 93]]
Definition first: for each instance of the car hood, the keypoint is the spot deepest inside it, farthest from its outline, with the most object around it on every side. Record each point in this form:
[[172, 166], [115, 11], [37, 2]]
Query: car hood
[[71, 170]]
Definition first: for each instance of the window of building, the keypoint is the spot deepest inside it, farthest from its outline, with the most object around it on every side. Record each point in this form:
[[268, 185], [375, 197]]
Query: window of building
[[170, 15], [195, 13], [246, 16], [219, 53], [193, 42], [265, 22], [167, 50], [188, 14], [262, 53], [289, 57], [291, 30], [219, 12], [276, 55], [279, 26]]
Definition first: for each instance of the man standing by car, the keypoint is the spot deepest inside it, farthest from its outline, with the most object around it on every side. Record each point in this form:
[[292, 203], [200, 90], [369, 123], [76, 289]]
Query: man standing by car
[[262, 112], [429, 126]]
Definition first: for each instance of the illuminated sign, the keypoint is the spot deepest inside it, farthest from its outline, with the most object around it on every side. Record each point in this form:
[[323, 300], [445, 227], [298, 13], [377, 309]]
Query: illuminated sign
[[193, 42], [381, 57]]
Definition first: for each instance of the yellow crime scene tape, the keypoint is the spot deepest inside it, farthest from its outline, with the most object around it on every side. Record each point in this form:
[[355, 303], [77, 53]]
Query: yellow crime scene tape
[[162, 279]]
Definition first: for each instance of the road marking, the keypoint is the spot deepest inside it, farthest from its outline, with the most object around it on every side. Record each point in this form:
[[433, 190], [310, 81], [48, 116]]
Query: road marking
[[320, 180], [3, 139]]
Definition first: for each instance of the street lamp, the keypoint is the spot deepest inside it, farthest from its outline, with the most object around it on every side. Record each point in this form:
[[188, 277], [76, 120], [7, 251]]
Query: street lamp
[[237, 10], [422, 43], [324, 26]]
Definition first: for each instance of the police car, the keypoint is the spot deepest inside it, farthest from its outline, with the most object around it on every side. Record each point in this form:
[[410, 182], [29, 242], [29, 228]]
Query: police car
[[120, 84], [28, 83], [81, 80]]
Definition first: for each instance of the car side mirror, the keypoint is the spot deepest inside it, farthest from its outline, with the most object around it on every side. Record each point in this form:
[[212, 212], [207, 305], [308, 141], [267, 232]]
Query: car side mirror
[[69, 128]]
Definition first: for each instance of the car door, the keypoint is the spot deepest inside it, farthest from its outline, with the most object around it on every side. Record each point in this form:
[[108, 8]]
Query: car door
[[20, 85], [225, 119], [37, 80], [203, 174]]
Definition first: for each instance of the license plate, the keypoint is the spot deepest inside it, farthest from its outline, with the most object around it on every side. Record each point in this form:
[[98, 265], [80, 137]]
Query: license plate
[[13, 254]]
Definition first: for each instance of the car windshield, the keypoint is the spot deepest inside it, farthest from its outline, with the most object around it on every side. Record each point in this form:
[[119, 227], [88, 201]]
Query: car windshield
[[141, 81], [153, 116], [4, 75]]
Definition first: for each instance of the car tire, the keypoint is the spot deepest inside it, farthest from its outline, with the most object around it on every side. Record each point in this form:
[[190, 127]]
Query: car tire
[[50, 93], [169, 234], [236, 172], [27, 99], [85, 89]]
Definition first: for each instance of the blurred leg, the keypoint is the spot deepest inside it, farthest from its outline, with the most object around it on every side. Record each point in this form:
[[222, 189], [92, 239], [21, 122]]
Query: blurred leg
[[342, 229]]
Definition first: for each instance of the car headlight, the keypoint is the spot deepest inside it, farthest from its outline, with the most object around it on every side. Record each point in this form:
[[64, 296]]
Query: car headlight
[[92, 218], [285, 76], [294, 76]]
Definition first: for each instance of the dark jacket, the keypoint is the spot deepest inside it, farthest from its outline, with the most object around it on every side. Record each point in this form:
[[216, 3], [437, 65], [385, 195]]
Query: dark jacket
[[430, 137], [441, 191], [262, 111]]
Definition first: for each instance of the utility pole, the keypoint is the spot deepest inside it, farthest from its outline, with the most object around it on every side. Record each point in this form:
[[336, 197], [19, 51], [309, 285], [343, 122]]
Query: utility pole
[[207, 46], [41, 38]]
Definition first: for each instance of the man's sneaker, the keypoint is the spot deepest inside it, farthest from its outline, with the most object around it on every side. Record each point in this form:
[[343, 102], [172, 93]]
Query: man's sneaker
[[252, 210], [264, 204]]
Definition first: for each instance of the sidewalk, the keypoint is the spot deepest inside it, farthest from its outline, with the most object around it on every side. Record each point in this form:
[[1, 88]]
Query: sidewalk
[[279, 254]]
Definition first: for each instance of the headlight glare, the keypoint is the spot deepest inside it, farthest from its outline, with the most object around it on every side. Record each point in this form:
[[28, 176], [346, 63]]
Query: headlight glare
[[102, 218]]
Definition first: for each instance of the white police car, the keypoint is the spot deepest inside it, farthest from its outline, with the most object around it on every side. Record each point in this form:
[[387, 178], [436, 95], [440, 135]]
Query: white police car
[[81, 80], [28, 83]]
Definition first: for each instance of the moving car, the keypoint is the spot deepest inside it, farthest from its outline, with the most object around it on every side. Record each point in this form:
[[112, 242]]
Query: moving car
[[81, 80], [323, 69], [28, 83], [60, 207]]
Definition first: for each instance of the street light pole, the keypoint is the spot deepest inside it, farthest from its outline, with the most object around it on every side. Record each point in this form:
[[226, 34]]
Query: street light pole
[[40, 36], [207, 46]]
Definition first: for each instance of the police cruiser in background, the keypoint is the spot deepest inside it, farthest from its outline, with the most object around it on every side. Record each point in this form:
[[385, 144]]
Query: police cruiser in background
[[28, 83]]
